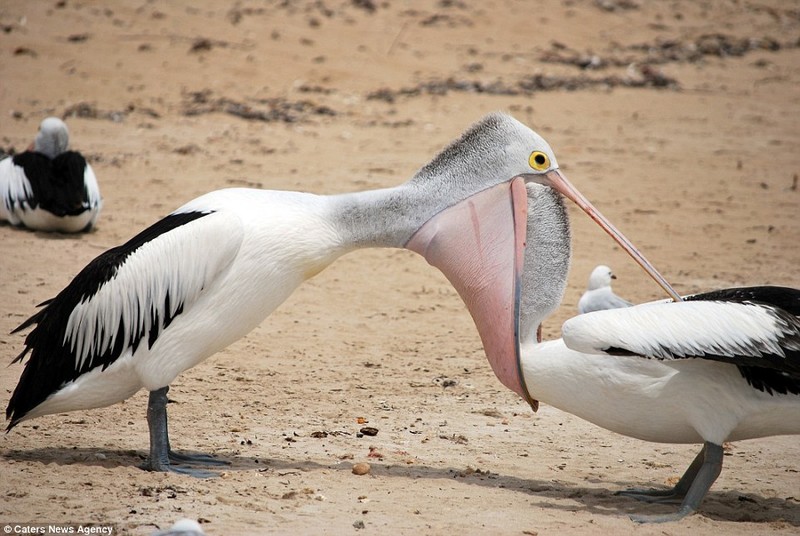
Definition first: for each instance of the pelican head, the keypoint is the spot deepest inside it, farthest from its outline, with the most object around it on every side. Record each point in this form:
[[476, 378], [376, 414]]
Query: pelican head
[[53, 137], [479, 243]]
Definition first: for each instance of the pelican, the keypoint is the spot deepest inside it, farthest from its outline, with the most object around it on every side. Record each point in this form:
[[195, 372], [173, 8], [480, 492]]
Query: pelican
[[708, 368], [48, 187], [208, 273], [598, 295]]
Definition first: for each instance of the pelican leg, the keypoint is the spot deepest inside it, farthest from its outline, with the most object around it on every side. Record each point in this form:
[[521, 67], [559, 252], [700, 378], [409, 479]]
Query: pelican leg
[[673, 495], [160, 453], [702, 482]]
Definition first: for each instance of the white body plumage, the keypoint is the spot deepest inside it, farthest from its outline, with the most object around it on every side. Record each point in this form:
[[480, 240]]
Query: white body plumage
[[685, 401]]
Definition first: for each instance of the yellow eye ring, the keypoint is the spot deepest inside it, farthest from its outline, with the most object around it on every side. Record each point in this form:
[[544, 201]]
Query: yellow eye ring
[[539, 161]]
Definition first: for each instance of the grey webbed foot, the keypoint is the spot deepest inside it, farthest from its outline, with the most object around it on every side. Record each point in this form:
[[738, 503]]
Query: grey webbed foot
[[197, 458], [689, 491]]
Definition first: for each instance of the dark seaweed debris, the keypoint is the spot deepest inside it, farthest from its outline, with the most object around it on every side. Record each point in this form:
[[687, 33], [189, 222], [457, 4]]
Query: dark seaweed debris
[[664, 51], [642, 76], [267, 110], [88, 110]]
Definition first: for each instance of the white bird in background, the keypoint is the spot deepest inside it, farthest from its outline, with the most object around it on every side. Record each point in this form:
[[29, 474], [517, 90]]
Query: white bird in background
[[48, 187], [720, 366], [182, 527], [598, 295], [204, 276]]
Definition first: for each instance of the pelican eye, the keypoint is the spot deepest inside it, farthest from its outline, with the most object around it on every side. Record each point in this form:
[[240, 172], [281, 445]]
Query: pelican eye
[[539, 161]]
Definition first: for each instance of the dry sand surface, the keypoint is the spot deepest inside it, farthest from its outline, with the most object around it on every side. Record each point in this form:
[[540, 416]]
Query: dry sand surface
[[678, 119]]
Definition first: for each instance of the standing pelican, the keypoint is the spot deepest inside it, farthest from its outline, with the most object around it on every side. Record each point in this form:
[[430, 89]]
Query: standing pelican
[[204, 276], [48, 187], [713, 367], [598, 295]]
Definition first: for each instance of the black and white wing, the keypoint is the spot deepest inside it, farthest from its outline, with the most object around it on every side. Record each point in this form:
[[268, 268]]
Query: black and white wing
[[15, 191], [754, 328], [125, 297]]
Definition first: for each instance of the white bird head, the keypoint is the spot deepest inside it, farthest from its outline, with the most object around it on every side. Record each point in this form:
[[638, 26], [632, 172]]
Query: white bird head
[[600, 277], [53, 137], [479, 242]]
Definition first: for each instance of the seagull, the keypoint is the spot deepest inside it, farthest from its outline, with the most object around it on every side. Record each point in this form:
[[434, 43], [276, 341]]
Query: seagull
[[598, 295], [708, 368], [204, 276], [48, 187]]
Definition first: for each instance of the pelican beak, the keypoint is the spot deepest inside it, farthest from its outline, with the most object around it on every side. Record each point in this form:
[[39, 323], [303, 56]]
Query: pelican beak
[[556, 180], [479, 245]]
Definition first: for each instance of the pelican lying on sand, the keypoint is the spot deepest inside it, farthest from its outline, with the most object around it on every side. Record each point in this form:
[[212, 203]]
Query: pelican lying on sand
[[48, 187]]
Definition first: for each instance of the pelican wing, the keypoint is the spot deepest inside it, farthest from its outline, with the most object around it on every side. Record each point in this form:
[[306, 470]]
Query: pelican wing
[[15, 190], [749, 327], [124, 298], [93, 198]]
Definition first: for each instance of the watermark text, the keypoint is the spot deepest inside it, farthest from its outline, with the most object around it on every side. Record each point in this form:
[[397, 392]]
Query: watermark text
[[77, 529]]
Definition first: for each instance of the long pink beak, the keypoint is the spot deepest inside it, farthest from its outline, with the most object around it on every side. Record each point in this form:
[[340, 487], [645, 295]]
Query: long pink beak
[[471, 245]]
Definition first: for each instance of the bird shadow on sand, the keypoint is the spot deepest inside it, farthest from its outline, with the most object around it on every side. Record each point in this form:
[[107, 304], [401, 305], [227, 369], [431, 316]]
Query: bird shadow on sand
[[731, 506], [47, 235]]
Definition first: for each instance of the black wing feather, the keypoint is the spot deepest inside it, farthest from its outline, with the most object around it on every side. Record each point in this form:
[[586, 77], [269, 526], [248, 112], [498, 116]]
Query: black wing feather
[[57, 185], [771, 373]]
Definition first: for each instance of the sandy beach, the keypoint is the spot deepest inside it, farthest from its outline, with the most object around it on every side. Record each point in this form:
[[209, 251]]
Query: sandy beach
[[679, 120]]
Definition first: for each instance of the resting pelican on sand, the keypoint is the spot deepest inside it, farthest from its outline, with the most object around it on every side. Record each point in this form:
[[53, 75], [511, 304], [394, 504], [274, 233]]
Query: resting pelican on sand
[[599, 296], [204, 276], [48, 187], [719, 366]]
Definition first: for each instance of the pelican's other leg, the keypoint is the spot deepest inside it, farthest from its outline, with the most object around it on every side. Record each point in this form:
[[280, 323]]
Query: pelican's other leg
[[705, 477], [177, 457], [160, 454], [674, 495]]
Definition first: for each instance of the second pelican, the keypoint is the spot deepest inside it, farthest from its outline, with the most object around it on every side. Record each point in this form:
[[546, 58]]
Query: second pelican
[[710, 368]]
